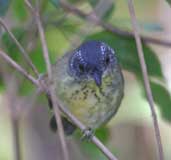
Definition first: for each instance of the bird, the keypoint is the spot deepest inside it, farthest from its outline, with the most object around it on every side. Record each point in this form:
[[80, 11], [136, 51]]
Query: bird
[[88, 81]]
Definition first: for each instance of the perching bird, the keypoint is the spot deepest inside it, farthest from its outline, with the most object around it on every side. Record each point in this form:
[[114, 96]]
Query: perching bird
[[89, 82]]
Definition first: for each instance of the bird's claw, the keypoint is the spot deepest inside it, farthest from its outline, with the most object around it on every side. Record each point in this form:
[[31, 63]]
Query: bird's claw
[[87, 134]]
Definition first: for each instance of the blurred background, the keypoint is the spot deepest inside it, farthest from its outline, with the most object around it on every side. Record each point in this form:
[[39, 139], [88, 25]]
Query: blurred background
[[130, 134]]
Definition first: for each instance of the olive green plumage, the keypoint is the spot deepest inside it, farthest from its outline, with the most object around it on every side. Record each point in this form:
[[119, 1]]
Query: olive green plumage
[[92, 104]]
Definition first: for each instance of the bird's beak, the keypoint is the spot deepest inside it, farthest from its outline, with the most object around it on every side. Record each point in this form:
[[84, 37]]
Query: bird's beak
[[97, 78]]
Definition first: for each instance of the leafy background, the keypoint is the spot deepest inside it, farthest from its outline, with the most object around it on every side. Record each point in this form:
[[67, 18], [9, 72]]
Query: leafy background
[[130, 134]]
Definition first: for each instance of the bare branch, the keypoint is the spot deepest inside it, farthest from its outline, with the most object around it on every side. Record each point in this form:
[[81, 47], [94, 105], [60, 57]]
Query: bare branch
[[145, 77], [109, 27], [44, 46], [96, 141], [49, 71], [55, 100], [18, 68], [59, 123], [22, 50], [75, 121]]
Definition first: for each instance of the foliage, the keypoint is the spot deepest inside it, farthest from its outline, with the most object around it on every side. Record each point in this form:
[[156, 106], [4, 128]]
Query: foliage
[[55, 2], [162, 99], [20, 13], [9, 45], [60, 28], [127, 54], [169, 1]]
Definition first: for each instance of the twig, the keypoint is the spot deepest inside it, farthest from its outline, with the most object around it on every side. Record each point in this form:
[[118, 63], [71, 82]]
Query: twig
[[63, 109], [145, 77], [59, 124], [44, 46], [51, 90], [88, 27], [109, 27], [94, 139], [18, 68], [75, 121], [22, 50]]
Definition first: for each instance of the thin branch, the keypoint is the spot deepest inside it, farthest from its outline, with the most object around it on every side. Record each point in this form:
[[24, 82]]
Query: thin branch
[[98, 143], [49, 71], [75, 121], [44, 46], [145, 77], [22, 50], [109, 27], [55, 100], [18, 68], [94, 139], [52, 92], [59, 124], [88, 27]]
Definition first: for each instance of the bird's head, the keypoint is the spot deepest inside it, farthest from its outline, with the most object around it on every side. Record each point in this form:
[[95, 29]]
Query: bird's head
[[91, 60]]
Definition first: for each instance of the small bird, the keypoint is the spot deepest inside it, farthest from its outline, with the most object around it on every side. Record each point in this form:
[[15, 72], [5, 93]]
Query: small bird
[[89, 82]]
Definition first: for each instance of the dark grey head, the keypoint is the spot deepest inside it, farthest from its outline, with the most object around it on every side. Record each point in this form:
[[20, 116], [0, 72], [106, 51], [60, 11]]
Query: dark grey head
[[91, 59]]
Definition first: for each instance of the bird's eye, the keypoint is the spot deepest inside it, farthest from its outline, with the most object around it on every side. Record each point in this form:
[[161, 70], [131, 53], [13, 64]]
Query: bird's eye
[[81, 68], [107, 60]]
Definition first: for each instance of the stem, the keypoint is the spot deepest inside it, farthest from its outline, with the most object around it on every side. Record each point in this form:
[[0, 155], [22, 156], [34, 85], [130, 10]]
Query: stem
[[22, 50], [49, 71], [75, 121], [145, 78], [109, 27], [18, 68]]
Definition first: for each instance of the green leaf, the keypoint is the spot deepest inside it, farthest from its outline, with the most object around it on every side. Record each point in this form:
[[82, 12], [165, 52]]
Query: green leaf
[[93, 152], [57, 43], [55, 2], [126, 52], [56, 46], [69, 27], [4, 5], [2, 85], [103, 134], [43, 5], [13, 51], [10, 46], [25, 87], [19, 10], [108, 13], [163, 99], [169, 1], [38, 59]]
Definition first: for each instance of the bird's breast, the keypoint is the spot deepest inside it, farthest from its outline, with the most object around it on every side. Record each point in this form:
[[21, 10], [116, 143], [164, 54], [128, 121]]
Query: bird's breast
[[92, 105]]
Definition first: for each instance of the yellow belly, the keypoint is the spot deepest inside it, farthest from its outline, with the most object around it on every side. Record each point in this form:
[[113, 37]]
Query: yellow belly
[[92, 105]]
